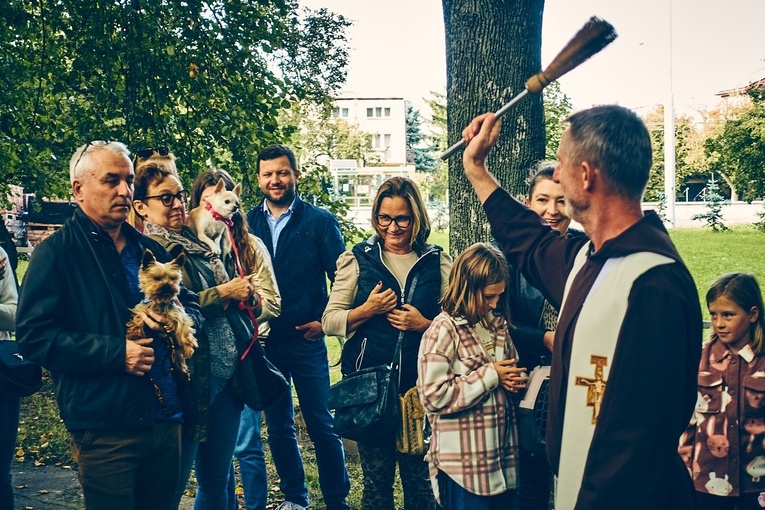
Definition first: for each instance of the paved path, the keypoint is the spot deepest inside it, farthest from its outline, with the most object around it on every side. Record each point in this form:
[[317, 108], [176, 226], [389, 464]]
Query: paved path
[[53, 488]]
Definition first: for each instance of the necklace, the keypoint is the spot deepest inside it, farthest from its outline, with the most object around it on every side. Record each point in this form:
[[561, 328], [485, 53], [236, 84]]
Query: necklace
[[488, 340]]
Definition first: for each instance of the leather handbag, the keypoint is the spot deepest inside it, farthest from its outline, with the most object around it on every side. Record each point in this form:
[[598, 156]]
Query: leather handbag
[[18, 377], [256, 382], [365, 403], [413, 431]]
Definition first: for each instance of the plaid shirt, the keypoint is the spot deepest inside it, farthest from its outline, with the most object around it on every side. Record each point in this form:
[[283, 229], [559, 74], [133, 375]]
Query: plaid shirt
[[474, 432]]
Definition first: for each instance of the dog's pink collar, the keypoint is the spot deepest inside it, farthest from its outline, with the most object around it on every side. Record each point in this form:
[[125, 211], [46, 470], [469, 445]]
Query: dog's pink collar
[[217, 216]]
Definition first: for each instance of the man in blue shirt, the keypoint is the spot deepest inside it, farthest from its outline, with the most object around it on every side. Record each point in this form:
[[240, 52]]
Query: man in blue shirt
[[304, 242]]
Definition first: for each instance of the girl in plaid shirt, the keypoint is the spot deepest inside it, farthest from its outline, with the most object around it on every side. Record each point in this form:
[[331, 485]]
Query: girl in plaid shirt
[[467, 366]]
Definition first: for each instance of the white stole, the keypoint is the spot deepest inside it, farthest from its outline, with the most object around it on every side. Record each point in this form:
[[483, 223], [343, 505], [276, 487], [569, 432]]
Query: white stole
[[592, 352]]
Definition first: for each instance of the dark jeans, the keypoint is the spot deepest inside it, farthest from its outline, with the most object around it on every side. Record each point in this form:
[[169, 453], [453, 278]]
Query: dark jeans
[[378, 462], [213, 460], [535, 481], [9, 425], [305, 363], [454, 497], [128, 469], [743, 502]]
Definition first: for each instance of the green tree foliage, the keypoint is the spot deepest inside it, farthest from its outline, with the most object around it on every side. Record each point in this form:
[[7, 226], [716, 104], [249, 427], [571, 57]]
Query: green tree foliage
[[738, 152], [317, 136], [315, 186], [557, 107], [206, 78], [422, 156], [436, 183], [714, 204]]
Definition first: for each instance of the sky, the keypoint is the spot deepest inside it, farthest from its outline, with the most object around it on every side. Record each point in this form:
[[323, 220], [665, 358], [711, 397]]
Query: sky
[[397, 50]]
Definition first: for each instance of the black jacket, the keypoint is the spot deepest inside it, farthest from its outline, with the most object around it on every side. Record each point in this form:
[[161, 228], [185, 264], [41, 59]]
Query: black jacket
[[306, 255], [376, 338], [73, 307]]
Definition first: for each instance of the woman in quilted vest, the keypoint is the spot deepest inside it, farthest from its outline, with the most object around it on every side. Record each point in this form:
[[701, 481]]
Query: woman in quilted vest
[[387, 289]]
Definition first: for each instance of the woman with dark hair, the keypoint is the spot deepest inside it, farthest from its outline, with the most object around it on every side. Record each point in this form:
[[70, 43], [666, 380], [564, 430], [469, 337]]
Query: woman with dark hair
[[159, 199], [387, 285]]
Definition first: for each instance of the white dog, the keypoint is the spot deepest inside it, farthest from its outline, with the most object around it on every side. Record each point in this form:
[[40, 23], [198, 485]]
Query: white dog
[[209, 220]]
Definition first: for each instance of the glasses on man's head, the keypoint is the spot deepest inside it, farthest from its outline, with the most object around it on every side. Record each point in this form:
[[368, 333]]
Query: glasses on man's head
[[92, 143], [168, 199], [401, 221], [147, 153]]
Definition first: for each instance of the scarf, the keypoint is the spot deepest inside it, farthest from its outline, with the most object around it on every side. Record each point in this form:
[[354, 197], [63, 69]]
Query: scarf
[[193, 247]]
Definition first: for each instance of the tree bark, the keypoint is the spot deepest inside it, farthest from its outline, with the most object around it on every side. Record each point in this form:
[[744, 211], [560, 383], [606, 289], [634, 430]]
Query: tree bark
[[492, 47]]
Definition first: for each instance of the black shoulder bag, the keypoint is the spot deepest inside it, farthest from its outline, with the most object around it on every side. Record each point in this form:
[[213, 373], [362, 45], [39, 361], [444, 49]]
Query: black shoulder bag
[[366, 401]]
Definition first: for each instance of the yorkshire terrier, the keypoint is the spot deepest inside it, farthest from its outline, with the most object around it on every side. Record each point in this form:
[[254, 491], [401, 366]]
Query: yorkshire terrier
[[210, 218], [160, 284]]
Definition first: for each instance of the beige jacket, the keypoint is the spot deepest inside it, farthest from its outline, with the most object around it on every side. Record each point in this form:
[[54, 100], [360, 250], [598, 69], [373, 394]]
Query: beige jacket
[[266, 286]]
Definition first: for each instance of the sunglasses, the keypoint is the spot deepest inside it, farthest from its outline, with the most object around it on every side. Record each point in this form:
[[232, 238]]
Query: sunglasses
[[168, 199], [147, 153], [93, 143]]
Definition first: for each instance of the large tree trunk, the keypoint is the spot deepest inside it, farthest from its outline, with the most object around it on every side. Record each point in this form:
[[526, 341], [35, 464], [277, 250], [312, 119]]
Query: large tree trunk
[[492, 47]]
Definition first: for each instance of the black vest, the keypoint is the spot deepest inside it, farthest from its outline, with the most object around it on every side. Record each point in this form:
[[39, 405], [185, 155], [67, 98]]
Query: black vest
[[375, 341]]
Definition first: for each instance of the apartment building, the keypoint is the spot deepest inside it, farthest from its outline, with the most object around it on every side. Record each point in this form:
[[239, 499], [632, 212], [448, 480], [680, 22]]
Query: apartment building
[[382, 117]]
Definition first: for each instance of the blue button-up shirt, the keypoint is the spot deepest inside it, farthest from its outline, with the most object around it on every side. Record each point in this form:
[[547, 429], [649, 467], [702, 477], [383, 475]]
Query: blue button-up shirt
[[276, 225]]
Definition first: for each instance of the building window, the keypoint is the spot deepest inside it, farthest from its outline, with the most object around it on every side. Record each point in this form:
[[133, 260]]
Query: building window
[[378, 111], [344, 112], [381, 142]]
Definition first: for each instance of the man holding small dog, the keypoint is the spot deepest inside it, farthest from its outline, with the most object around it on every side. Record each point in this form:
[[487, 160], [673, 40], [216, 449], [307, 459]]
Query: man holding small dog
[[304, 242], [122, 407]]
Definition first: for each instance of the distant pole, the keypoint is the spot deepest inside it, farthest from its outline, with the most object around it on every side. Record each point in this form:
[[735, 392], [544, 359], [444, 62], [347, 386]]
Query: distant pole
[[669, 138]]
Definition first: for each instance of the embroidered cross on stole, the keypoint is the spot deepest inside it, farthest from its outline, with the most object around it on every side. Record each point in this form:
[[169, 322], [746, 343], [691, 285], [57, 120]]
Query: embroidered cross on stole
[[596, 387], [593, 342]]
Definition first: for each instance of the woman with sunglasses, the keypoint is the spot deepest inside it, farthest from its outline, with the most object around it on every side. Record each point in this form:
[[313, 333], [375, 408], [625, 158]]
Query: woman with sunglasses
[[160, 200], [373, 300]]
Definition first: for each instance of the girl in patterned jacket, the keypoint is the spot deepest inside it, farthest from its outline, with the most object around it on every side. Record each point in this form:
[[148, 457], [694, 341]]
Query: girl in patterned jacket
[[724, 445], [467, 366]]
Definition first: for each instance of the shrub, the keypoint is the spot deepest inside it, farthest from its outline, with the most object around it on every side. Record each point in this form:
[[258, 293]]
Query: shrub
[[715, 202]]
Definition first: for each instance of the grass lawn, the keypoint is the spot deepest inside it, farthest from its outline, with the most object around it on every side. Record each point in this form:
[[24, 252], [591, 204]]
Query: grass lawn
[[708, 254]]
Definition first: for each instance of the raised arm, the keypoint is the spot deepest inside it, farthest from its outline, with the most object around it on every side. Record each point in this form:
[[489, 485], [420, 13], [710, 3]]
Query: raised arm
[[481, 135]]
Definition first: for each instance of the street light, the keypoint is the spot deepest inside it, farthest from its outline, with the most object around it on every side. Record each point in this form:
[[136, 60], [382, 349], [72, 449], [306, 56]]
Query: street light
[[669, 139]]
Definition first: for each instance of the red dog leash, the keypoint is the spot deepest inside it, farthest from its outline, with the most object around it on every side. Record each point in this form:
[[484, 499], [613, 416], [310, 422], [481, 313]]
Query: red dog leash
[[242, 305]]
